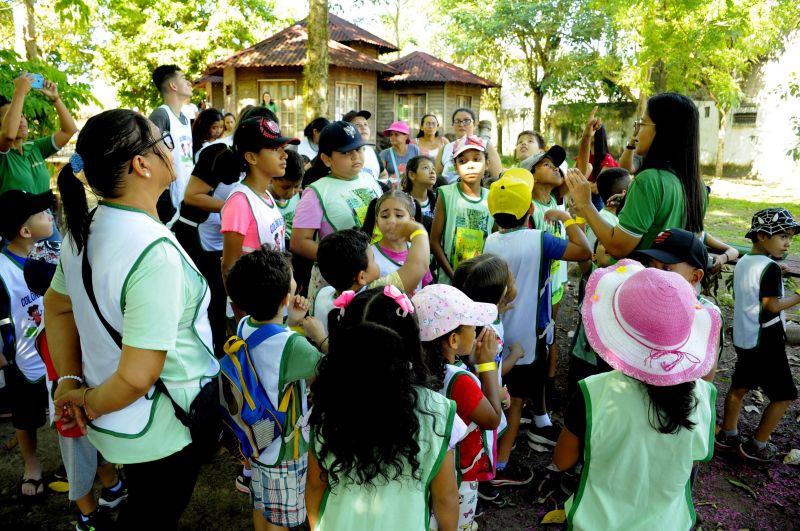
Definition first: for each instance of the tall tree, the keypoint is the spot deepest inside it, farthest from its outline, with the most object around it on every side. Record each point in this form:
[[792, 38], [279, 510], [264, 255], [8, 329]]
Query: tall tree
[[315, 72], [25, 30]]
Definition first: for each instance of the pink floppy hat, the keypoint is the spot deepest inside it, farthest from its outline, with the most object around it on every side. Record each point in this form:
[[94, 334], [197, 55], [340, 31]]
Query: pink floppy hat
[[648, 324], [397, 127], [442, 308]]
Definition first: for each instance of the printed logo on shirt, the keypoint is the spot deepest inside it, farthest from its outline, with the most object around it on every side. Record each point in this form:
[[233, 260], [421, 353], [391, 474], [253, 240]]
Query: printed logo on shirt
[[471, 229], [358, 201]]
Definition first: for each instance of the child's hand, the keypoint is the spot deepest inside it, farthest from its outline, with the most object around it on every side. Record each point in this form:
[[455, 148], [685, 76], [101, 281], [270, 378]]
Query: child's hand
[[616, 200], [515, 353], [486, 346], [554, 214], [592, 124], [298, 308], [314, 329], [505, 398]]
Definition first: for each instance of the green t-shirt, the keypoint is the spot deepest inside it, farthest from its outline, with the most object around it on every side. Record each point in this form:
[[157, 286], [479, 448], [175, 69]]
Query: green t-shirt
[[27, 171], [160, 301], [654, 202]]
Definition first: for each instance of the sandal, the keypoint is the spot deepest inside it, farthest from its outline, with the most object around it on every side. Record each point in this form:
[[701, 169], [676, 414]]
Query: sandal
[[37, 484]]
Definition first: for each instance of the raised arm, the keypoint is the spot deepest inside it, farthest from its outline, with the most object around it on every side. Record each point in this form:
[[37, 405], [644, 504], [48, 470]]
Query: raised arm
[[66, 123], [418, 260], [11, 120]]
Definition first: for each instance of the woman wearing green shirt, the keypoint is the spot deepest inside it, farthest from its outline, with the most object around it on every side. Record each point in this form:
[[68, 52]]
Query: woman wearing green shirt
[[151, 294], [667, 192]]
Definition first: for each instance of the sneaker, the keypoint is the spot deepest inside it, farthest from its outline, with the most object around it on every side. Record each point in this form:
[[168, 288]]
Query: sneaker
[[527, 416], [569, 483], [513, 475], [243, 484], [751, 452], [96, 521], [487, 491], [547, 435], [111, 499], [726, 443]]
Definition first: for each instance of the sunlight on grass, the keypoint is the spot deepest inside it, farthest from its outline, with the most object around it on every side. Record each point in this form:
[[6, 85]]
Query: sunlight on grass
[[729, 219]]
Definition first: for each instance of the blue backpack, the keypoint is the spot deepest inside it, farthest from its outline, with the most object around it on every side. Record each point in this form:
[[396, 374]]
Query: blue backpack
[[246, 408]]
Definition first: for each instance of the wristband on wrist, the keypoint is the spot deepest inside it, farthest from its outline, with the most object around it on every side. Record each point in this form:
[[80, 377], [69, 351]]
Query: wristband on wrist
[[69, 377], [631, 147], [486, 367], [569, 223], [580, 220], [416, 233]]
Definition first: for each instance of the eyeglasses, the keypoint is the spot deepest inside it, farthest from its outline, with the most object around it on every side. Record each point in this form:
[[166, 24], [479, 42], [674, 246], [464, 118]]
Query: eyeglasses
[[638, 124], [465, 121], [166, 137]]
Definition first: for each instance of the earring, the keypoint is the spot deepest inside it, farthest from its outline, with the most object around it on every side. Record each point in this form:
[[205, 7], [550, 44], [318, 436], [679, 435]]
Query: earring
[[147, 174]]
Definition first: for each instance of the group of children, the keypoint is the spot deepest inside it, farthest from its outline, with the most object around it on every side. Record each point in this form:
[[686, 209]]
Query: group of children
[[430, 325]]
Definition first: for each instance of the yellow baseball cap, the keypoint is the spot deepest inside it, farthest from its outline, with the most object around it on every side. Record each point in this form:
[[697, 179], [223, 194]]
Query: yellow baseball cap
[[522, 174], [509, 195]]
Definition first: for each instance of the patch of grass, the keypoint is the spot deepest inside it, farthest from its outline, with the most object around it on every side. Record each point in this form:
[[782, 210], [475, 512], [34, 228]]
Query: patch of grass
[[729, 219]]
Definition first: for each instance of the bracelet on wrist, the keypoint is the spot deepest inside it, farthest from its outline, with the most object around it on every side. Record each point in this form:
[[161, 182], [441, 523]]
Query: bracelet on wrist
[[486, 367], [580, 220], [416, 233], [569, 223], [69, 377], [631, 147]]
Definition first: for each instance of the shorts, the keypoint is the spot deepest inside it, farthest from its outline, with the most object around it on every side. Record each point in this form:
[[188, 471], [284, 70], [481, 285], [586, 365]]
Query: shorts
[[766, 366], [29, 402], [467, 505], [81, 460], [527, 381], [280, 491]]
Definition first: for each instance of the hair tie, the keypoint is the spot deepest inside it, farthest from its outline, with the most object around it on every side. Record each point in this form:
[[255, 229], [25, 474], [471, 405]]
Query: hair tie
[[76, 161], [402, 300], [343, 300]]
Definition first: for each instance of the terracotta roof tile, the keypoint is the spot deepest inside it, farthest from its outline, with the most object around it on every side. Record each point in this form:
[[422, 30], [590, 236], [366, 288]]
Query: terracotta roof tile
[[346, 32], [288, 48], [421, 67]]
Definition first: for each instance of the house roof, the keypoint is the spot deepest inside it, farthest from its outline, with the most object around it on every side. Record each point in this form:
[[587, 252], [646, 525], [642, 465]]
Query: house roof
[[288, 48], [421, 67], [346, 32]]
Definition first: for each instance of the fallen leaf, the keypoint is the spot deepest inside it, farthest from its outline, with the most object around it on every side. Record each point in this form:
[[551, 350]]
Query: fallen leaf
[[706, 504], [58, 486], [555, 517], [758, 397], [742, 485], [793, 457], [752, 409]]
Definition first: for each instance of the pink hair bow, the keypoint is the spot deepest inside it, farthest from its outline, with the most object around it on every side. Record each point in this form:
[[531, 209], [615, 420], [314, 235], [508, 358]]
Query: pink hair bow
[[400, 298], [343, 300]]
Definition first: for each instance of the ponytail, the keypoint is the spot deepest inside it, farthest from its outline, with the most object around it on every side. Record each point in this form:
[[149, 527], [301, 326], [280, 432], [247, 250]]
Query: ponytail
[[670, 406], [76, 210]]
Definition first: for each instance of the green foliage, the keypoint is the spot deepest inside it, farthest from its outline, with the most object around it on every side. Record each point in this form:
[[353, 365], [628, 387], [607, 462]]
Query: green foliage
[[39, 111], [141, 34], [793, 91]]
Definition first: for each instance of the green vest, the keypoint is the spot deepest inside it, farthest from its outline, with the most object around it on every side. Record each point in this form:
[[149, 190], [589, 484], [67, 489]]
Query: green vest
[[345, 202], [467, 224], [635, 477]]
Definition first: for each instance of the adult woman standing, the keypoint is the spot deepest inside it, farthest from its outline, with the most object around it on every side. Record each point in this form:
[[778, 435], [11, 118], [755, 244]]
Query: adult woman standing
[[266, 101], [428, 138], [464, 125], [148, 290], [667, 192], [396, 156]]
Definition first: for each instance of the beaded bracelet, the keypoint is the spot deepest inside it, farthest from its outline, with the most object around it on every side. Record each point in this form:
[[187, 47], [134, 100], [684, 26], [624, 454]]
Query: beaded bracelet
[[70, 377]]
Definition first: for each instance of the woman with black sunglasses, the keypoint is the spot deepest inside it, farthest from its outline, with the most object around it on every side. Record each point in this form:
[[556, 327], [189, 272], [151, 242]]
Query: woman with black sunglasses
[[127, 308]]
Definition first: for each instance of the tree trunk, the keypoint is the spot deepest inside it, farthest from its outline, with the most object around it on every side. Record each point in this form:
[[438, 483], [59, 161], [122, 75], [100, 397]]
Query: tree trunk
[[538, 96], [723, 121], [315, 73], [25, 30]]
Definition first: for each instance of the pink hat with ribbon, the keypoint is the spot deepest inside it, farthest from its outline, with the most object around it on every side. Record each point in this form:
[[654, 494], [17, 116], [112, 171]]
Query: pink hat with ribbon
[[649, 325], [468, 142], [397, 127], [442, 309]]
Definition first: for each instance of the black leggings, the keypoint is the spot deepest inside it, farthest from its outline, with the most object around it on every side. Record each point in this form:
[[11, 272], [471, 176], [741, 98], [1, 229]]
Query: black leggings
[[159, 491]]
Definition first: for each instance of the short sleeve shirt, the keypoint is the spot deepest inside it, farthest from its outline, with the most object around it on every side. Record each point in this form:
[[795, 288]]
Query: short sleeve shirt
[[654, 202], [309, 214], [27, 171], [237, 217], [771, 286]]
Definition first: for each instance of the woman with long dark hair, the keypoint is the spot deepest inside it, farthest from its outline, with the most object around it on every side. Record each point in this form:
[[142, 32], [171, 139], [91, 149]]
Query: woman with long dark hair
[[428, 139], [208, 127], [653, 416], [127, 307], [667, 192], [391, 456]]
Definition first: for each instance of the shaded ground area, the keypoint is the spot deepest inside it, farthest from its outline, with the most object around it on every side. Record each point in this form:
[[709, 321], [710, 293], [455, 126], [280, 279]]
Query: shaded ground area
[[766, 498]]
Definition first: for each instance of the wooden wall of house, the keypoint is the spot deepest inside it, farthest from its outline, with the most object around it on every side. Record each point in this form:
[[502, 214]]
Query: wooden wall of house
[[246, 90], [452, 91], [368, 80], [367, 49], [387, 100]]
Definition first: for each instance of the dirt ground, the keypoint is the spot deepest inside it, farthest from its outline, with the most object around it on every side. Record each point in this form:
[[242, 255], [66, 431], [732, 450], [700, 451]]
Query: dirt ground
[[765, 498]]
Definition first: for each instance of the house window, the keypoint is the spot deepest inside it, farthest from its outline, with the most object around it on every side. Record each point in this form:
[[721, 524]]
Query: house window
[[348, 98], [411, 107], [745, 118], [464, 101], [708, 111], [284, 95]]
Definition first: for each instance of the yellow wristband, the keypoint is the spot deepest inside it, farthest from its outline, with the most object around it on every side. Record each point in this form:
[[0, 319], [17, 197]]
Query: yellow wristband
[[569, 223], [797, 291], [580, 220], [416, 233], [486, 367]]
